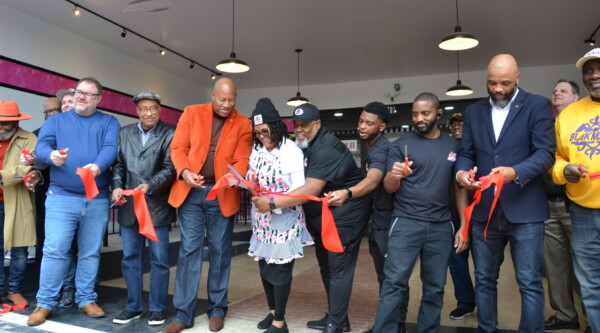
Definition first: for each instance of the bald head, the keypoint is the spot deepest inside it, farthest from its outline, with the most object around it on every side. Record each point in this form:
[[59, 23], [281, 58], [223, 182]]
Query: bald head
[[223, 97], [502, 79], [51, 106]]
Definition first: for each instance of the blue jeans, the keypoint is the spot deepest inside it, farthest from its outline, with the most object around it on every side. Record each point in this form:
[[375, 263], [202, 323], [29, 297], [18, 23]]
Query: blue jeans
[[461, 278], [132, 267], [69, 279], [585, 243], [195, 215], [66, 215], [526, 248], [408, 240], [18, 261]]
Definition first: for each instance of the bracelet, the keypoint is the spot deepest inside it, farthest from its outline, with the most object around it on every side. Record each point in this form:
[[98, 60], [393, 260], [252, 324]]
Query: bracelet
[[349, 193], [272, 204]]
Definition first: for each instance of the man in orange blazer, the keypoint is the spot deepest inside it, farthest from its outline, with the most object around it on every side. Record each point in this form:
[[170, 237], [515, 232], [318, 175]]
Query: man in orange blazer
[[208, 137]]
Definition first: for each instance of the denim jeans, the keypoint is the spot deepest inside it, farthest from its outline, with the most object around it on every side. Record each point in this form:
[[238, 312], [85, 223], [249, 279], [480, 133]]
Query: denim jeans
[[66, 215], [69, 279], [195, 215], [461, 278], [18, 261], [526, 248], [132, 267], [410, 239], [585, 243]]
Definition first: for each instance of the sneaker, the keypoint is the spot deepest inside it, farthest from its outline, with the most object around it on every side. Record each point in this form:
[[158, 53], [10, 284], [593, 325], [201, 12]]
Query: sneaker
[[126, 317], [460, 313], [156, 318], [265, 323], [67, 299]]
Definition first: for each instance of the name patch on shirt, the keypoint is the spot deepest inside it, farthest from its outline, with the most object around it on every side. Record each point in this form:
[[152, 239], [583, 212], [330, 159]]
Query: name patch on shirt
[[587, 137], [452, 156]]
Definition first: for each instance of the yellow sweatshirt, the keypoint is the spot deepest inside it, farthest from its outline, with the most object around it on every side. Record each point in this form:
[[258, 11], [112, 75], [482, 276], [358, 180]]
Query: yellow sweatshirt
[[578, 142]]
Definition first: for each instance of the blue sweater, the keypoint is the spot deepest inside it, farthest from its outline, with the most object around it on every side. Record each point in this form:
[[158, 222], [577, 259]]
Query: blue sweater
[[90, 139]]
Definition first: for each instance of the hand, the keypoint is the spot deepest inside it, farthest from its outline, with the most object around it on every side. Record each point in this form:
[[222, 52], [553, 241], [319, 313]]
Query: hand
[[58, 157], [261, 204], [95, 169], [460, 244], [117, 196], [464, 179], [338, 198], [573, 172], [398, 170], [509, 173], [193, 179], [32, 179], [27, 159], [143, 187]]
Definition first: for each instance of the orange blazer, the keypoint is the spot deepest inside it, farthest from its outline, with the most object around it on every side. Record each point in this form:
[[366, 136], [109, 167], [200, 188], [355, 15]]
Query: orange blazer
[[190, 145]]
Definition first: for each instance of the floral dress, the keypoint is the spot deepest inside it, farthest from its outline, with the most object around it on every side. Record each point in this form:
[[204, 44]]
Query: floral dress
[[278, 236]]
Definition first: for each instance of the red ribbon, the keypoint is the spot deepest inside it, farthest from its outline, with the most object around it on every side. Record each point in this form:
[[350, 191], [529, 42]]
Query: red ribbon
[[146, 228], [593, 175], [8, 308], [89, 183], [486, 182], [329, 235]]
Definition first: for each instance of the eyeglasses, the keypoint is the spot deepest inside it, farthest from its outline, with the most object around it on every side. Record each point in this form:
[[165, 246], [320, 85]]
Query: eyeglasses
[[263, 132], [86, 94], [55, 110], [151, 109]]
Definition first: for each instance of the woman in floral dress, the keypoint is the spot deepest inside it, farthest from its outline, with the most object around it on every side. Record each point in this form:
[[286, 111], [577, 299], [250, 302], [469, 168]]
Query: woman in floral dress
[[278, 236]]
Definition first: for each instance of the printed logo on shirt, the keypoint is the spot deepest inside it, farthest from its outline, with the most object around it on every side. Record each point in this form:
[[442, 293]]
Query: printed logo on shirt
[[587, 137], [452, 156], [258, 119]]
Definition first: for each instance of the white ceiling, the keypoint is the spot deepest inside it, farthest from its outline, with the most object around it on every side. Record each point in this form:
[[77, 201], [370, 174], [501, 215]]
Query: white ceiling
[[343, 40]]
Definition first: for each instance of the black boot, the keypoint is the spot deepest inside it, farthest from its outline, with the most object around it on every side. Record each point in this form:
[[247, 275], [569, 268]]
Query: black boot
[[331, 328], [321, 324]]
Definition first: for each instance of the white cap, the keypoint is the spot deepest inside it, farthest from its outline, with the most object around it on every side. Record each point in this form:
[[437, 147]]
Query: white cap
[[593, 54]]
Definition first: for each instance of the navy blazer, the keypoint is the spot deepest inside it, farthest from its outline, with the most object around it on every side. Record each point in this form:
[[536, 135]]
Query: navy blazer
[[526, 143]]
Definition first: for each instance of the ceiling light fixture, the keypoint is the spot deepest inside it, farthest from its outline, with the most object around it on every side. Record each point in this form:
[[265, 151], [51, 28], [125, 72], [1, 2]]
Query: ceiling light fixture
[[162, 51], [233, 65], [459, 89], [77, 11], [458, 40], [192, 65], [298, 99], [338, 114], [213, 76], [592, 39]]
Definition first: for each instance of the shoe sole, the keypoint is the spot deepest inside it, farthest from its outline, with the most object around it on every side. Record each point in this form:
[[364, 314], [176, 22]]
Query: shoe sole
[[124, 321], [344, 329], [463, 316], [156, 322], [65, 305]]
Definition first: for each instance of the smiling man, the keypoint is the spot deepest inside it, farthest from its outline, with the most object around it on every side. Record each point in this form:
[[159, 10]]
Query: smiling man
[[199, 164], [82, 138]]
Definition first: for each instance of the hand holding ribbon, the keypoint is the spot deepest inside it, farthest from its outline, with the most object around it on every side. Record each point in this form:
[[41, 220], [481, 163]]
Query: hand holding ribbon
[[486, 182], [583, 170], [89, 183], [58, 157]]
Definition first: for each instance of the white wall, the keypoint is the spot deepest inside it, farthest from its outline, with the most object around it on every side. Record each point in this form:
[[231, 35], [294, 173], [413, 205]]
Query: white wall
[[539, 80], [30, 40]]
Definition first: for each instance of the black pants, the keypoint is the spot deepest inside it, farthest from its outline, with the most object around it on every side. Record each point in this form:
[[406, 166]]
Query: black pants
[[337, 269], [378, 248], [277, 282]]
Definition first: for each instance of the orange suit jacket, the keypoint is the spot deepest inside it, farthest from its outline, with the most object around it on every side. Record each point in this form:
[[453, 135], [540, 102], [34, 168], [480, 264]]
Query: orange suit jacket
[[189, 150]]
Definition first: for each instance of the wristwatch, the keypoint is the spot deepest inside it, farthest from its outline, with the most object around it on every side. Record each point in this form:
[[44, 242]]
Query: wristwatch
[[272, 204], [349, 193]]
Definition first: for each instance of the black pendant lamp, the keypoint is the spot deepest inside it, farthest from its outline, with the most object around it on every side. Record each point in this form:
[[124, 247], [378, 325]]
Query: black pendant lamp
[[298, 99], [459, 89], [459, 40], [233, 65]]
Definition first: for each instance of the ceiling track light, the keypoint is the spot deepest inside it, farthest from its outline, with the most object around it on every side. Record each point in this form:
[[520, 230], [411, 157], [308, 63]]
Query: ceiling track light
[[162, 50], [592, 39], [192, 65], [459, 40], [298, 99], [213, 76], [232, 65], [458, 89]]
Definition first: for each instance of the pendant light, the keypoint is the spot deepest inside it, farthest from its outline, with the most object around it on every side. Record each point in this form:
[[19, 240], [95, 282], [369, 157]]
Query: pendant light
[[459, 89], [233, 65], [298, 99], [458, 40]]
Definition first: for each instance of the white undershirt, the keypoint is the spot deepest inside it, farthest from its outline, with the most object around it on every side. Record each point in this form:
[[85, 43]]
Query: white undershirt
[[499, 114]]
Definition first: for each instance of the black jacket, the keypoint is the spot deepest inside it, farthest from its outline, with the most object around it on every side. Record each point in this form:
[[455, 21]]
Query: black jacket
[[149, 164]]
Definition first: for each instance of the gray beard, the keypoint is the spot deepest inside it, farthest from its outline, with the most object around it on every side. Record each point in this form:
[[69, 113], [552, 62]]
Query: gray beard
[[302, 144], [9, 134]]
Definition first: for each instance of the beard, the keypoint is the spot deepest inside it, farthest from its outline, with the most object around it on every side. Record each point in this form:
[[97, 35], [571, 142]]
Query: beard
[[9, 134], [372, 136], [503, 101], [427, 130], [302, 144], [593, 93]]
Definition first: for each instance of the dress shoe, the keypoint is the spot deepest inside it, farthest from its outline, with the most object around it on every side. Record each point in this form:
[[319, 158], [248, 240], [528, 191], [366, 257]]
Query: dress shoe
[[38, 316], [321, 324], [265, 323], [93, 310], [174, 327], [553, 323], [17, 298], [401, 329], [216, 324], [275, 329], [331, 328], [588, 329]]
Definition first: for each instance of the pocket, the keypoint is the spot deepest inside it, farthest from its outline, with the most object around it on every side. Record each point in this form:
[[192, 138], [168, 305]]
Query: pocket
[[286, 220]]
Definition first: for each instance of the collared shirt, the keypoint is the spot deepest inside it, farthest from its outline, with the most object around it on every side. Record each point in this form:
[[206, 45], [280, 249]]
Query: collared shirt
[[145, 134], [499, 114]]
